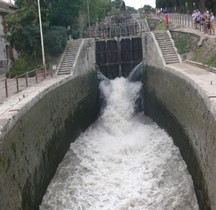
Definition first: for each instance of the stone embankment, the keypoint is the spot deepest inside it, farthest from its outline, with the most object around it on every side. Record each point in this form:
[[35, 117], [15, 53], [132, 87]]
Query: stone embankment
[[181, 98], [36, 130]]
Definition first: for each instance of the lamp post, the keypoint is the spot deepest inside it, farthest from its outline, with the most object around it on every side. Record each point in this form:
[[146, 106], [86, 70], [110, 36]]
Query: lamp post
[[186, 7], [88, 13], [41, 33]]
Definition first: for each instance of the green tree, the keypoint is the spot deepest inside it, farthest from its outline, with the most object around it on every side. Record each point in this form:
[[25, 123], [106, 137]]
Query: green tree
[[23, 28], [123, 7], [63, 12], [117, 4], [98, 9], [55, 40]]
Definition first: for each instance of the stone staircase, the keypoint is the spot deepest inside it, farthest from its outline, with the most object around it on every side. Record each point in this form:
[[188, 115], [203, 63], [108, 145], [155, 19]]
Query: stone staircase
[[69, 56], [166, 46]]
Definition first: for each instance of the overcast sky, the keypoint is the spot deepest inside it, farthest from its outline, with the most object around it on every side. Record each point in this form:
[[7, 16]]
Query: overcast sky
[[139, 3]]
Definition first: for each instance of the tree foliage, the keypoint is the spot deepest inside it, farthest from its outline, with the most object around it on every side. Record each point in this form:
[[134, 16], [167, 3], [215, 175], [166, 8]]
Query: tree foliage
[[24, 29], [23, 25], [63, 12], [186, 5], [58, 36]]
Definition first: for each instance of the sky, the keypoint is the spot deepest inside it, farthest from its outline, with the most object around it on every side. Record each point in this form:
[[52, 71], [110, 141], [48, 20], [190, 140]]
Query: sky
[[139, 3]]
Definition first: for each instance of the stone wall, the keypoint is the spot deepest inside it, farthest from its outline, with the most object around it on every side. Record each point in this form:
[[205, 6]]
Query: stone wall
[[36, 132], [182, 106], [152, 55], [86, 57]]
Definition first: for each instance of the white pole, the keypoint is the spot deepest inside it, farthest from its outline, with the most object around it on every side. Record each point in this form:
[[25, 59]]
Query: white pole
[[88, 13], [41, 33]]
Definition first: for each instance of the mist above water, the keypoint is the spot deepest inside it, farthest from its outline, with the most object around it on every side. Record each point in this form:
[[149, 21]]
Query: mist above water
[[123, 161]]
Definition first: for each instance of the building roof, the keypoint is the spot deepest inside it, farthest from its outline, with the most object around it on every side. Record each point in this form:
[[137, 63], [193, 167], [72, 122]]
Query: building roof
[[6, 7]]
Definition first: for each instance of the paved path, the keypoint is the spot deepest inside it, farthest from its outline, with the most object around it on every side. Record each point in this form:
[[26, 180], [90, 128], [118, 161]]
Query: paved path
[[16, 102], [12, 85]]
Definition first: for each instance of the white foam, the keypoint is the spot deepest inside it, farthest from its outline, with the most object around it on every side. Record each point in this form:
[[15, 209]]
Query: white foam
[[123, 161]]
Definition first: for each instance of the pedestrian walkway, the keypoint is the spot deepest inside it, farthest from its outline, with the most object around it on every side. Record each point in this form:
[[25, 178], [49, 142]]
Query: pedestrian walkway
[[16, 102], [194, 31], [10, 87], [184, 25]]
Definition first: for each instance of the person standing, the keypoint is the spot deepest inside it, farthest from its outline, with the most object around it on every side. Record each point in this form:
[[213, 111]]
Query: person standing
[[212, 27], [193, 18]]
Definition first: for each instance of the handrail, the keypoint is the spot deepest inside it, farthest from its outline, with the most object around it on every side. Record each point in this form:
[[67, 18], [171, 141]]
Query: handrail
[[10, 86], [186, 20]]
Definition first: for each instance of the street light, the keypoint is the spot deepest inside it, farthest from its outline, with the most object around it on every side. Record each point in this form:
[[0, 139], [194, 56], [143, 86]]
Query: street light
[[88, 13], [41, 33]]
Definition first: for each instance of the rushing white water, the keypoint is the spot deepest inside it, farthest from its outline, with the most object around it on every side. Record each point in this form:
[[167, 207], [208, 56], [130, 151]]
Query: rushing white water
[[123, 161]]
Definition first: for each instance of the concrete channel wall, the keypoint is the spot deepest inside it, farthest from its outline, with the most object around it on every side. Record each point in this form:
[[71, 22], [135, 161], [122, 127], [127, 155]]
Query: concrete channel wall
[[36, 131], [182, 100]]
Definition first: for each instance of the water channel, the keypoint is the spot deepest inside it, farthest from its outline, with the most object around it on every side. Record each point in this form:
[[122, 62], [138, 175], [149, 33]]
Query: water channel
[[123, 161]]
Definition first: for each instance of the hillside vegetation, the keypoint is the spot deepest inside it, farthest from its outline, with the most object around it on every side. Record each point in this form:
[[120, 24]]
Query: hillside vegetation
[[187, 47]]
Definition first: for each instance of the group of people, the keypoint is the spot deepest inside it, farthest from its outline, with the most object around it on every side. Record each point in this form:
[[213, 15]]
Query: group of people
[[205, 21]]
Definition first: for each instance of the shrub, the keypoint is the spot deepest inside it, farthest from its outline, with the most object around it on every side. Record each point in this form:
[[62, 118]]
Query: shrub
[[22, 65]]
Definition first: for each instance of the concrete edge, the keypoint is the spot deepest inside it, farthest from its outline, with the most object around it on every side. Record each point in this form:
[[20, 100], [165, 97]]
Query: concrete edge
[[196, 86], [147, 24], [173, 43], [209, 68], [159, 49], [77, 56], [62, 57], [17, 108]]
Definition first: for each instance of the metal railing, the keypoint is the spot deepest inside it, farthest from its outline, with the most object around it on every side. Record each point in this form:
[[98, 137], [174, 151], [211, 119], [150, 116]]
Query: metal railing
[[186, 20], [11, 86], [181, 19]]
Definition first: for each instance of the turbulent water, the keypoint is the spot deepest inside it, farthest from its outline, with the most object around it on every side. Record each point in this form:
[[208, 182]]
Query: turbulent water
[[123, 161]]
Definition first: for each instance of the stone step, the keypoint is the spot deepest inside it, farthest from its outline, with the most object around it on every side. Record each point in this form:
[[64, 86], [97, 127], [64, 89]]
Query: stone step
[[172, 60], [163, 42], [167, 48], [69, 57], [162, 37], [65, 72], [168, 51], [60, 73], [67, 62], [67, 65], [170, 56]]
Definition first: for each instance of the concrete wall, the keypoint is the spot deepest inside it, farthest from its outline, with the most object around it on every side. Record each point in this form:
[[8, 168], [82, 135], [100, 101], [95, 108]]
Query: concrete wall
[[152, 54], [85, 59], [37, 130], [176, 105], [182, 99]]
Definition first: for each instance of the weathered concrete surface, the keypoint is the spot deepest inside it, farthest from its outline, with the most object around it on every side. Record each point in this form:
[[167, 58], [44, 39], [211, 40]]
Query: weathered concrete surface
[[85, 59], [181, 98], [37, 127], [152, 55]]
